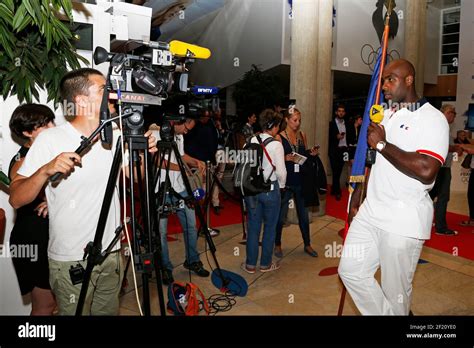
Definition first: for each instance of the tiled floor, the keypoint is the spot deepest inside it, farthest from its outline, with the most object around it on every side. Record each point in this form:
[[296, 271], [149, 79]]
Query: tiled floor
[[442, 286]]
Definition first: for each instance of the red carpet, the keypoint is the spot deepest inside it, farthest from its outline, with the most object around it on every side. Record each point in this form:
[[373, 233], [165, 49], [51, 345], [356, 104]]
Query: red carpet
[[229, 215], [460, 245]]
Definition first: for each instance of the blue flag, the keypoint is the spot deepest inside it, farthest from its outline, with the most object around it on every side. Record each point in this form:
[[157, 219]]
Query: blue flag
[[358, 167]]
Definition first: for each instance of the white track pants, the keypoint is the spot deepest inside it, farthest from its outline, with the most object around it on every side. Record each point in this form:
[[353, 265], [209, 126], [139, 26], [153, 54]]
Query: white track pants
[[365, 249]]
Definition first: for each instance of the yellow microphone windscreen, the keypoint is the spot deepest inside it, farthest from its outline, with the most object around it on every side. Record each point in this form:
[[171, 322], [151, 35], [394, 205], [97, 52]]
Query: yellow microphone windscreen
[[183, 49], [376, 113]]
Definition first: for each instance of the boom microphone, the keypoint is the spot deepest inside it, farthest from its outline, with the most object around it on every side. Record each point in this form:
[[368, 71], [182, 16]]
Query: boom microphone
[[183, 49]]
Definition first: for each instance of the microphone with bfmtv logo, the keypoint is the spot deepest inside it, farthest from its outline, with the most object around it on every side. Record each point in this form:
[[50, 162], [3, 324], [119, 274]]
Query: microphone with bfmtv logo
[[376, 116]]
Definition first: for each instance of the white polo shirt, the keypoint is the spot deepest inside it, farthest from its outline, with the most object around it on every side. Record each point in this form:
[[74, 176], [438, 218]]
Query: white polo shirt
[[74, 203], [395, 202]]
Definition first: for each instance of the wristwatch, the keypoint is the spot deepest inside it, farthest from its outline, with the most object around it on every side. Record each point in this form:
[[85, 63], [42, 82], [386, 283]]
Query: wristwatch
[[380, 145]]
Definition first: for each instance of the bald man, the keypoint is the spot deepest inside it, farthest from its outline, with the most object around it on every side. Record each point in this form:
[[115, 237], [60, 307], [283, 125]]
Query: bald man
[[389, 228]]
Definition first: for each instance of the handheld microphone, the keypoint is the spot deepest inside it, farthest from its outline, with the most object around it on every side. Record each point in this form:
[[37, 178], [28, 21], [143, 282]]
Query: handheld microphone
[[376, 113], [199, 194], [376, 116]]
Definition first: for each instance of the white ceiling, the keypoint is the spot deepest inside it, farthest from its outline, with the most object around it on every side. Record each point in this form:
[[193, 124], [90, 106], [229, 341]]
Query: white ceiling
[[172, 16]]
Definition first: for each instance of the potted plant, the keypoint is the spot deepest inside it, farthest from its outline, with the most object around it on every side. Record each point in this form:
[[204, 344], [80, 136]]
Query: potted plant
[[257, 90], [37, 47]]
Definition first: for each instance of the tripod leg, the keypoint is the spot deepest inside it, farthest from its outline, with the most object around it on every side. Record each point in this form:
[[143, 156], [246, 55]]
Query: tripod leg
[[244, 225], [95, 249], [150, 218], [200, 215], [207, 204]]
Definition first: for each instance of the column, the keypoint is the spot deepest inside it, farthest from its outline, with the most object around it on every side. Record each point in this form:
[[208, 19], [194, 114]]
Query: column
[[311, 78], [415, 33]]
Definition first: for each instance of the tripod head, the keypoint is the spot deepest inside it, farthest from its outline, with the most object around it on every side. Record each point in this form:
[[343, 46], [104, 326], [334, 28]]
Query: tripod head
[[167, 129]]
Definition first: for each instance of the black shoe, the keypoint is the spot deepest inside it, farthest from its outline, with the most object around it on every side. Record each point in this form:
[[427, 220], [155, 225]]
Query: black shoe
[[167, 276], [197, 268], [447, 232]]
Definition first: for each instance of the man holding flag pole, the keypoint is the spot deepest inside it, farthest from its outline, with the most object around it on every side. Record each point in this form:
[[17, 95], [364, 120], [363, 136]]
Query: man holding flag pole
[[388, 229]]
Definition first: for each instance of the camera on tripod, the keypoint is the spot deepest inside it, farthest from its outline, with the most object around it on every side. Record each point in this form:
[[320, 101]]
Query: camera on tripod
[[158, 71], [153, 73]]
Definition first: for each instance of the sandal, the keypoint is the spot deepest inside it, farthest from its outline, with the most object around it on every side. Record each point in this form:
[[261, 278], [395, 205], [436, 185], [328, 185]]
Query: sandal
[[273, 267], [247, 268], [465, 223]]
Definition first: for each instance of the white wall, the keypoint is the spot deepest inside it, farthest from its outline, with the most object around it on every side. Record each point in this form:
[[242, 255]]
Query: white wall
[[243, 33], [465, 84], [354, 29], [433, 43]]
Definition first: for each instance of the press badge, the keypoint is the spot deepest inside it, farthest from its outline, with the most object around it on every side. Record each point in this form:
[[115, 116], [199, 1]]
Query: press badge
[[272, 187], [297, 168]]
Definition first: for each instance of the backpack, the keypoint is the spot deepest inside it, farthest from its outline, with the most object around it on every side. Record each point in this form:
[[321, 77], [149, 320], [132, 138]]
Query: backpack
[[183, 299], [248, 173]]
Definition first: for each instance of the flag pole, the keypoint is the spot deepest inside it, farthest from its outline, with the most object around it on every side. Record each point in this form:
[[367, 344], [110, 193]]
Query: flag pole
[[384, 48]]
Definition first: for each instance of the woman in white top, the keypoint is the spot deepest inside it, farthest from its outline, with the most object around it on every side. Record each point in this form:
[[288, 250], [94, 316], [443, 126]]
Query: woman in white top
[[265, 207]]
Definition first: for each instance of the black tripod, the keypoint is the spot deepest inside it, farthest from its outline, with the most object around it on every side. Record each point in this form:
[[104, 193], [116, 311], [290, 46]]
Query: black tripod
[[166, 147], [146, 247]]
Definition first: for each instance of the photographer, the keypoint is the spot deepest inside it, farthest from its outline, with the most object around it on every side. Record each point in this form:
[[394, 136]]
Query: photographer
[[186, 215], [75, 201]]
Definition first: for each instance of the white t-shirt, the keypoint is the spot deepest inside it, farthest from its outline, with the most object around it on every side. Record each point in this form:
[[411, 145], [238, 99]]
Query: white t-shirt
[[395, 202], [176, 179], [341, 126], [277, 155], [75, 202]]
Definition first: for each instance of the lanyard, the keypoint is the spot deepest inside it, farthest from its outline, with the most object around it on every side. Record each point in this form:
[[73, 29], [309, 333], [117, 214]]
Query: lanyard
[[293, 147]]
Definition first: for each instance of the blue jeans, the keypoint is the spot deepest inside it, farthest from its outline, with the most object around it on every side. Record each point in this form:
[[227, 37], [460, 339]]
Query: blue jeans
[[187, 219], [265, 208], [301, 211]]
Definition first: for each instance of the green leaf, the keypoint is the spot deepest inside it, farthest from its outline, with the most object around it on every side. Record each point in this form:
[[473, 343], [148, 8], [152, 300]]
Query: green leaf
[[47, 7], [7, 45], [19, 17], [6, 88], [47, 33], [24, 24], [67, 7], [6, 13], [30, 10], [10, 4]]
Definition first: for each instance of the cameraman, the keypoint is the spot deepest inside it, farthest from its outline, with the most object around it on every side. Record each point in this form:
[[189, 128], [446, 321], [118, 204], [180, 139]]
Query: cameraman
[[74, 202], [186, 215]]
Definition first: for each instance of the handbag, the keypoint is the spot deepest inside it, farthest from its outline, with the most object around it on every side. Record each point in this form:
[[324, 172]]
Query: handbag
[[194, 178], [466, 163]]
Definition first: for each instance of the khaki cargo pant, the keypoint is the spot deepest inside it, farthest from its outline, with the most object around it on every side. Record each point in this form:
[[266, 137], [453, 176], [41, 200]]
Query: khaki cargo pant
[[104, 287]]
